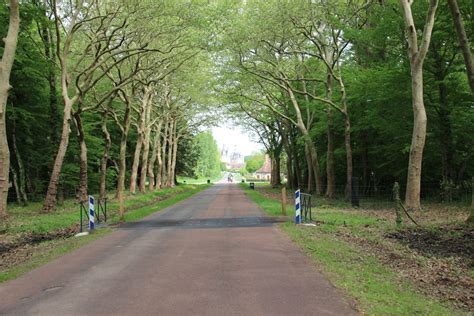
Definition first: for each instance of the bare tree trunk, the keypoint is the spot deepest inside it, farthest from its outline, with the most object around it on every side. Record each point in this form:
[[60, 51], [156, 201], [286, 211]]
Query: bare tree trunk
[[15, 185], [163, 155], [50, 200], [330, 165], [51, 76], [5, 69], [147, 104], [417, 56], [82, 195], [159, 160], [169, 179], [463, 41], [276, 179], [21, 166], [309, 166], [105, 157], [412, 196], [307, 139], [348, 147], [154, 155], [175, 152], [125, 128], [144, 165], [136, 161]]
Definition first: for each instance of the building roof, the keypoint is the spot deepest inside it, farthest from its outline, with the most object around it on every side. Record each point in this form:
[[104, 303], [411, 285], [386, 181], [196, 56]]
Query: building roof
[[267, 166]]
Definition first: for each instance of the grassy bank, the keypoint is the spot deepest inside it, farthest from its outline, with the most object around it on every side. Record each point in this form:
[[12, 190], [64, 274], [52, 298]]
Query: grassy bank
[[200, 180], [31, 219], [383, 275], [32, 238]]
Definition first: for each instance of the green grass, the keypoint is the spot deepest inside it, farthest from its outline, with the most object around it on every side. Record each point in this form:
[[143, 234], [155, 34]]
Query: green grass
[[269, 206], [44, 252], [200, 180], [378, 290], [30, 219]]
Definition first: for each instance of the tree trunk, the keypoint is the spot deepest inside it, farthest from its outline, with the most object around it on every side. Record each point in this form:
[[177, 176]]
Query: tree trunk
[[276, 179], [50, 200], [163, 155], [5, 69], [309, 166], [123, 160], [330, 164], [463, 42], [82, 195], [417, 55], [51, 77], [412, 196], [445, 136], [348, 147], [154, 155], [136, 161], [144, 165], [147, 103], [159, 160], [307, 139], [173, 165], [21, 166], [169, 179], [15, 185], [105, 157]]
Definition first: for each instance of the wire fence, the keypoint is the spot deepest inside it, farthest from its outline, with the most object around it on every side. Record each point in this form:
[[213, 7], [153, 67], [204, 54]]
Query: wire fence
[[381, 196]]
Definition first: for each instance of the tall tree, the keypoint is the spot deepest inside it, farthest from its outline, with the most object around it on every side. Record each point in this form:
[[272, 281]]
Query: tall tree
[[463, 41], [417, 54], [6, 64]]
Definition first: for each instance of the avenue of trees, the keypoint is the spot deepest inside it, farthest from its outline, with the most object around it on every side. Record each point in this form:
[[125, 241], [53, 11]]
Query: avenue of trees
[[378, 90], [103, 96], [111, 95]]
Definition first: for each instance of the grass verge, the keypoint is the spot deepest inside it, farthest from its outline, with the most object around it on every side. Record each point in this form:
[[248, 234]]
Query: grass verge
[[47, 251], [378, 289]]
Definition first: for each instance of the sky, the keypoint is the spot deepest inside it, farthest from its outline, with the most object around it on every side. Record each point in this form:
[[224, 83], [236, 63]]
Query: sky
[[233, 137]]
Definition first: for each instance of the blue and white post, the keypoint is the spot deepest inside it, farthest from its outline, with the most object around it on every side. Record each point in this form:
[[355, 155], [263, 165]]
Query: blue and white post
[[298, 207], [91, 213]]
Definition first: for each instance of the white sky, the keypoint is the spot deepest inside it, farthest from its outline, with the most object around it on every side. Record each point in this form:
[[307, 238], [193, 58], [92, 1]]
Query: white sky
[[232, 137]]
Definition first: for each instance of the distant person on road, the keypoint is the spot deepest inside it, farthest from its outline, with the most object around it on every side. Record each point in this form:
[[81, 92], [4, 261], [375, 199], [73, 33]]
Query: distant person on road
[[230, 177]]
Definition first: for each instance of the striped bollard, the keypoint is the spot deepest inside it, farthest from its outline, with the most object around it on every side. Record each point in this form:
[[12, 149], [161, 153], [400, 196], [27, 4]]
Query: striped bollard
[[298, 207], [91, 213]]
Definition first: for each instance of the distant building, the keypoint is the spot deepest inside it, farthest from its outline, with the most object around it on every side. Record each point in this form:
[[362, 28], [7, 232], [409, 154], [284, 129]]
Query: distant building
[[232, 158], [265, 173]]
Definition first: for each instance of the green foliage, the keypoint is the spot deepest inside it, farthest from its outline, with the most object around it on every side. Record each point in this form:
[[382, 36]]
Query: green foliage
[[254, 162], [209, 161]]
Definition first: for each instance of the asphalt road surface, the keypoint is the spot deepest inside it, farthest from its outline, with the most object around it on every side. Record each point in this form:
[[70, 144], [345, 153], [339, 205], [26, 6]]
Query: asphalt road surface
[[213, 254]]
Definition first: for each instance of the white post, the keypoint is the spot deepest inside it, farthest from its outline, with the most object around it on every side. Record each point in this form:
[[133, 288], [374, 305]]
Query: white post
[[298, 207], [91, 213]]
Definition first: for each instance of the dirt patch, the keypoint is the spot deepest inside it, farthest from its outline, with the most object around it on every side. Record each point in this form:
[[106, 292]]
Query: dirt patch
[[444, 241], [446, 278], [21, 240], [19, 248]]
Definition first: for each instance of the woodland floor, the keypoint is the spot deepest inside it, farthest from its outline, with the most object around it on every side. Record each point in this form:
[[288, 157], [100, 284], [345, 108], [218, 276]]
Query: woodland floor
[[436, 257], [29, 232]]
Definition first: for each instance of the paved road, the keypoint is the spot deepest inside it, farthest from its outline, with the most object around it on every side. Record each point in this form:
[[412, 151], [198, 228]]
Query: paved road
[[213, 254]]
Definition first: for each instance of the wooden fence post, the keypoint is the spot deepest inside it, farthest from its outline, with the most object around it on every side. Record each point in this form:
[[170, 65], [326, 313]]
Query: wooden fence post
[[396, 197]]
